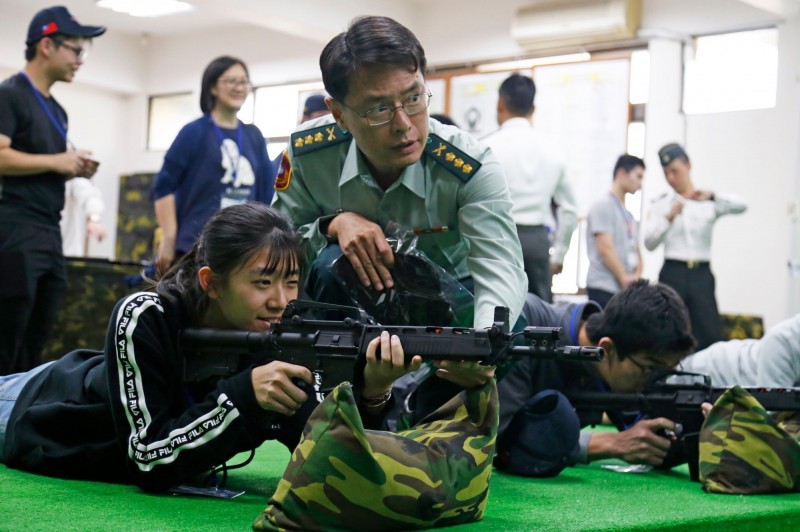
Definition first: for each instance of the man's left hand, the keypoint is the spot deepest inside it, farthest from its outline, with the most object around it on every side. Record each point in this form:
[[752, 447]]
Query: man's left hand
[[465, 374], [88, 165], [701, 195]]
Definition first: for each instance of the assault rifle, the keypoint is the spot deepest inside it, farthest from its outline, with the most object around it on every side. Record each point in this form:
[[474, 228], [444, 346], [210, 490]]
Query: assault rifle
[[677, 396], [334, 349]]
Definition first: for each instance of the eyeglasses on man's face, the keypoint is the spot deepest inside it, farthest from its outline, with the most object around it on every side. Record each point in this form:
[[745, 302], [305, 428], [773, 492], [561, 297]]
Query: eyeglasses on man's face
[[383, 114], [649, 369], [79, 51], [232, 83]]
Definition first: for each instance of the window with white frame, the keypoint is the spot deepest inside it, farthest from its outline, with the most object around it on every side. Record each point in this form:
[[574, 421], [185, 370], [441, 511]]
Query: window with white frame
[[168, 113], [278, 109], [731, 72], [166, 116]]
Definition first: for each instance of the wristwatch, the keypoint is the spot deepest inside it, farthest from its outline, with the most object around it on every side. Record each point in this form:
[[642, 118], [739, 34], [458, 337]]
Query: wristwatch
[[96, 218]]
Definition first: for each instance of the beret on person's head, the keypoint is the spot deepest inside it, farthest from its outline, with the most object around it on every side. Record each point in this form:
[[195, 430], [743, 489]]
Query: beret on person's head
[[670, 152]]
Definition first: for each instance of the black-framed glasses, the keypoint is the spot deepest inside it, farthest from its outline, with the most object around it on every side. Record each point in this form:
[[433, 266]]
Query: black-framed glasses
[[650, 369], [79, 51], [235, 82], [383, 114]]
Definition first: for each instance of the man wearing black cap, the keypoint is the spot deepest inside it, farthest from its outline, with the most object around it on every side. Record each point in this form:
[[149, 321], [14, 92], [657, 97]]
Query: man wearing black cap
[[314, 107], [36, 159], [683, 221]]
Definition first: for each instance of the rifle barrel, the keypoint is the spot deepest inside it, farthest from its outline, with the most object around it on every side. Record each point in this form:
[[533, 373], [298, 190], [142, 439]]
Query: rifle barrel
[[205, 339], [572, 353]]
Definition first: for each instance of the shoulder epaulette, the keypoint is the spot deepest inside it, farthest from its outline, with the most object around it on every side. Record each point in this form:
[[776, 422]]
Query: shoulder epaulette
[[456, 161], [662, 196], [317, 138]]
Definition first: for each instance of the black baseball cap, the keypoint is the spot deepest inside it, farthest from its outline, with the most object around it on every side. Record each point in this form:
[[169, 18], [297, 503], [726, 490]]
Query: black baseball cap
[[542, 439], [58, 21], [315, 102]]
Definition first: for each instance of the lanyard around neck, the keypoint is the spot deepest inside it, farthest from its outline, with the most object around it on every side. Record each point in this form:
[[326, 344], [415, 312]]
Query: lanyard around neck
[[221, 137], [626, 216], [46, 108]]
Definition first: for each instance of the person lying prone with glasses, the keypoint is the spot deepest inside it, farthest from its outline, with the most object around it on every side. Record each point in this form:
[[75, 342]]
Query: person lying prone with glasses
[[643, 330]]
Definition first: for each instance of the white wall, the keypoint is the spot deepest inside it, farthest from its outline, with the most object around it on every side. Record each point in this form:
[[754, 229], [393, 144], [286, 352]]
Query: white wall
[[664, 124], [94, 116], [749, 153]]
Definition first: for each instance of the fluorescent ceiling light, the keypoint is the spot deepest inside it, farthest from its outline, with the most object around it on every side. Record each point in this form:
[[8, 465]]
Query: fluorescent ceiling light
[[146, 8], [523, 64]]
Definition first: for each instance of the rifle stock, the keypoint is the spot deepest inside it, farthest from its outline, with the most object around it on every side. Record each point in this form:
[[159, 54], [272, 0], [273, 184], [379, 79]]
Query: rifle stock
[[335, 350], [680, 403]]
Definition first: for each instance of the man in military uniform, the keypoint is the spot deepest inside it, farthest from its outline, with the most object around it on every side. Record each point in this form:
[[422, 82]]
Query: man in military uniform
[[379, 161], [683, 221]]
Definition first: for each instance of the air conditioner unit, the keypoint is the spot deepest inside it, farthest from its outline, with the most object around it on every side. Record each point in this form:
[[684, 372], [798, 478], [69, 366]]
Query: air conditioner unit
[[563, 23]]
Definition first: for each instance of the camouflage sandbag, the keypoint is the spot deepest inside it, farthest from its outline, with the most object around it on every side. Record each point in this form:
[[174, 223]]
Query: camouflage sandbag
[[344, 477], [743, 450]]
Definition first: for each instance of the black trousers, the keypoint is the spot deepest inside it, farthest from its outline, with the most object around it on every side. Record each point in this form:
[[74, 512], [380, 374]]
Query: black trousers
[[695, 283], [32, 283], [535, 243], [601, 297]]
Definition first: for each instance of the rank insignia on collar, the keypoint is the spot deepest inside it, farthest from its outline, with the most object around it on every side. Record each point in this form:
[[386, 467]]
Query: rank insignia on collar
[[456, 161], [320, 137]]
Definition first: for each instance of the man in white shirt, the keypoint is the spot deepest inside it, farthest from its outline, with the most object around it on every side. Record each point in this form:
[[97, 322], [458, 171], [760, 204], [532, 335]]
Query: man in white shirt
[[82, 217], [683, 220], [536, 177]]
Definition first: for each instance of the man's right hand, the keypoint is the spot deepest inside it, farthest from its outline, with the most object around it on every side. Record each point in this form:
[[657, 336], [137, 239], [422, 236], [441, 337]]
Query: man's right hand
[[165, 256], [640, 444], [677, 208], [69, 163], [628, 280], [365, 246]]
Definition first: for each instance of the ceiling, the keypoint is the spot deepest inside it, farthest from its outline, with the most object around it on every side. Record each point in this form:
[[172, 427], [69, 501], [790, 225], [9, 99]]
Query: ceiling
[[320, 20], [317, 20]]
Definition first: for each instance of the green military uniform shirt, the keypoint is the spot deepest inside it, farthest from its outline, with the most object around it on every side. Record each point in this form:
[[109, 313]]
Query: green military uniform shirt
[[457, 184]]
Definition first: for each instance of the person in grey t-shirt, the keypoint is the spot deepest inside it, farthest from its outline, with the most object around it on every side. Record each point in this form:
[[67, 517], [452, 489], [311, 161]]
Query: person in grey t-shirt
[[615, 260]]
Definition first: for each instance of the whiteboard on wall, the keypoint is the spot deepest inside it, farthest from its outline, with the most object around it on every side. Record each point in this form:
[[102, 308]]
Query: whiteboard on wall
[[473, 102], [581, 107], [437, 88]]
